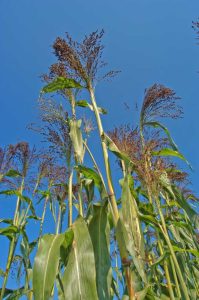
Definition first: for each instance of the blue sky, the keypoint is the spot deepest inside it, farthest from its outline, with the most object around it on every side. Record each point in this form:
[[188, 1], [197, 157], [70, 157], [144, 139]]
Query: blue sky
[[150, 41]]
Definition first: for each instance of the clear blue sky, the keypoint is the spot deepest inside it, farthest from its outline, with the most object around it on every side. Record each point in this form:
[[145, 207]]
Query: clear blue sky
[[148, 40]]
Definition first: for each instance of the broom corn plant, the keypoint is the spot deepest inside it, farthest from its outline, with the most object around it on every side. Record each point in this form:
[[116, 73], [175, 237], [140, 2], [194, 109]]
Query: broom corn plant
[[132, 239]]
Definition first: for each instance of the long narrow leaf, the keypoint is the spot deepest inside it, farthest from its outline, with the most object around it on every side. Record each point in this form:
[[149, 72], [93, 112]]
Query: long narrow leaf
[[46, 265], [100, 235], [79, 279]]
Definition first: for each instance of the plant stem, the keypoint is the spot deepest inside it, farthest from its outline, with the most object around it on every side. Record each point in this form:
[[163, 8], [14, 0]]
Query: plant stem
[[72, 101], [105, 154], [70, 201], [17, 210], [166, 272], [58, 220], [175, 278], [13, 242], [114, 208], [9, 262], [43, 216], [179, 273], [95, 164], [81, 213], [166, 236]]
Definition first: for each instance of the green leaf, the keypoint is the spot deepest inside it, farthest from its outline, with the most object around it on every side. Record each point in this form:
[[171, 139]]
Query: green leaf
[[157, 124], [14, 294], [192, 251], [79, 279], [46, 265], [9, 231], [64, 250], [113, 148], [22, 197], [148, 219], [170, 152], [160, 259], [12, 173], [131, 228], [100, 235], [91, 174], [7, 221], [61, 83], [89, 186], [60, 288], [81, 103], [84, 103], [2, 273], [76, 138], [193, 216]]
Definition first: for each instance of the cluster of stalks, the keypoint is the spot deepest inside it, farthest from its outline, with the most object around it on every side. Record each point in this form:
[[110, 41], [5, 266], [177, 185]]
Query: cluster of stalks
[[151, 228]]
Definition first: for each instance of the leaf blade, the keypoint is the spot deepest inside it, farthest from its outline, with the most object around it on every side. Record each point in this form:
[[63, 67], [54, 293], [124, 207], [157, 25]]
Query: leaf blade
[[99, 231], [79, 279], [46, 265], [60, 83]]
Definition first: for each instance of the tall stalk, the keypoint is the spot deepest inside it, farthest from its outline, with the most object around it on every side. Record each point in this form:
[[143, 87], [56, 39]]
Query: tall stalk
[[123, 252], [43, 216], [14, 240], [166, 269], [166, 236], [70, 199], [105, 154], [81, 213]]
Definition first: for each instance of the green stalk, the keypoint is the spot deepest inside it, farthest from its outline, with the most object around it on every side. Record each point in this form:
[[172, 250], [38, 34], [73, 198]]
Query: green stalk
[[147, 164], [179, 273], [105, 154], [33, 194], [166, 269], [114, 208], [43, 216], [70, 201], [166, 236], [116, 266], [9, 262], [58, 220], [72, 101], [95, 164], [178, 292], [18, 205], [81, 212], [13, 242]]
